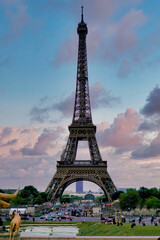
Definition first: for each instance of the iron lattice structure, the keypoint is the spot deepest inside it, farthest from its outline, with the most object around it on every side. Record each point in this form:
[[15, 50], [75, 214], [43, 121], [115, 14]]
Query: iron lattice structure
[[69, 170]]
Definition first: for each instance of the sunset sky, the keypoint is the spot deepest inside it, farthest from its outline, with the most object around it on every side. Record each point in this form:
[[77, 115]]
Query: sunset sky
[[38, 61]]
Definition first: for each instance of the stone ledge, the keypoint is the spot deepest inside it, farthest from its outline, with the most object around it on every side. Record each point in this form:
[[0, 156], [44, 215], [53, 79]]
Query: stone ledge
[[86, 238]]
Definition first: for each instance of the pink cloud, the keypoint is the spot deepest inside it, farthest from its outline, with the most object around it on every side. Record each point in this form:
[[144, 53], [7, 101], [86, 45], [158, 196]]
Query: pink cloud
[[95, 11], [67, 51], [107, 39], [123, 35], [28, 141], [44, 142], [122, 133], [102, 126], [42, 149]]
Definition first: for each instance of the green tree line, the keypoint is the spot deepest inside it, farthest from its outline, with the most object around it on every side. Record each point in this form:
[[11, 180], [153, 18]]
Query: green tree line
[[144, 197]]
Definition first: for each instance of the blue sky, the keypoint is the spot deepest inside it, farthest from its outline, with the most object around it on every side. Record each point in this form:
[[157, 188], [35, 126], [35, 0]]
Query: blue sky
[[38, 60]]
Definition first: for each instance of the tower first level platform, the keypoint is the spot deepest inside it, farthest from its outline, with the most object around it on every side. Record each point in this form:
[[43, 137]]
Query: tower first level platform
[[80, 170]]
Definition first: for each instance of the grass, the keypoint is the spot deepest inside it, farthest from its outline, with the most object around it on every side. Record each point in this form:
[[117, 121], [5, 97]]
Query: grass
[[99, 229]]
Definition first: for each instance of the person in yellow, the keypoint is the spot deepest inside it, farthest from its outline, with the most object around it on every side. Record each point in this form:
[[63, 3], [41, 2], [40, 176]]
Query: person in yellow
[[118, 218]]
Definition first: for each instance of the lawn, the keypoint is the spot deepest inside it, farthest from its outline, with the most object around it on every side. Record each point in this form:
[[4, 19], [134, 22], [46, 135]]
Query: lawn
[[98, 229]]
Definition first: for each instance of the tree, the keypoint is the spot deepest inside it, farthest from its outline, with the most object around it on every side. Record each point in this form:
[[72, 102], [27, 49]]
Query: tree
[[41, 198], [129, 200], [101, 199], [153, 192], [29, 190], [152, 202], [18, 201], [144, 193], [158, 194], [116, 195]]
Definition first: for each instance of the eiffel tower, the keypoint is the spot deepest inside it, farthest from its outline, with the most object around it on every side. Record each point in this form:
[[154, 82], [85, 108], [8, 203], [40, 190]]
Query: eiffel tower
[[70, 170]]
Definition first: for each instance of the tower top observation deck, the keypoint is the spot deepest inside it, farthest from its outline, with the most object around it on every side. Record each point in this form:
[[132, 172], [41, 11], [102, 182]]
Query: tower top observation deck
[[82, 26]]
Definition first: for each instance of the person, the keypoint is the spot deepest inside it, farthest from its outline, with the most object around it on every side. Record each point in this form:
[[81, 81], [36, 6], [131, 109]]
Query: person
[[152, 219], [118, 218], [143, 223], [140, 219], [133, 225], [155, 223], [1, 222]]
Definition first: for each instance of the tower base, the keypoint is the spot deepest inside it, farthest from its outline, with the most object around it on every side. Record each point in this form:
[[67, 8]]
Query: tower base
[[77, 171]]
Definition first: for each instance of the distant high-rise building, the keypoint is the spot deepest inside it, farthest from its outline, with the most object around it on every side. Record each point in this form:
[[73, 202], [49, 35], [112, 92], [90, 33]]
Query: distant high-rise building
[[79, 187]]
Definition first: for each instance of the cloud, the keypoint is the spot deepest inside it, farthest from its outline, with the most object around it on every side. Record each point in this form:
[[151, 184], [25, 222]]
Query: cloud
[[40, 114], [16, 12], [44, 142], [99, 98], [152, 124], [66, 106], [10, 142], [102, 126], [109, 39], [123, 33], [67, 51], [13, 138], [6, 131], [122, 42], [20, 171], [125, 68], [152, 107], [117, 38], [29, 152], [5, 135], [122, 134], [148, 151], [102, 11], [44, 110]]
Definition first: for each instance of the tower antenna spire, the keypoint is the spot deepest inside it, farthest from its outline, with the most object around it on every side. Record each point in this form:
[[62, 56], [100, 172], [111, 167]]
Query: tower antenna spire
[[81, 13]]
